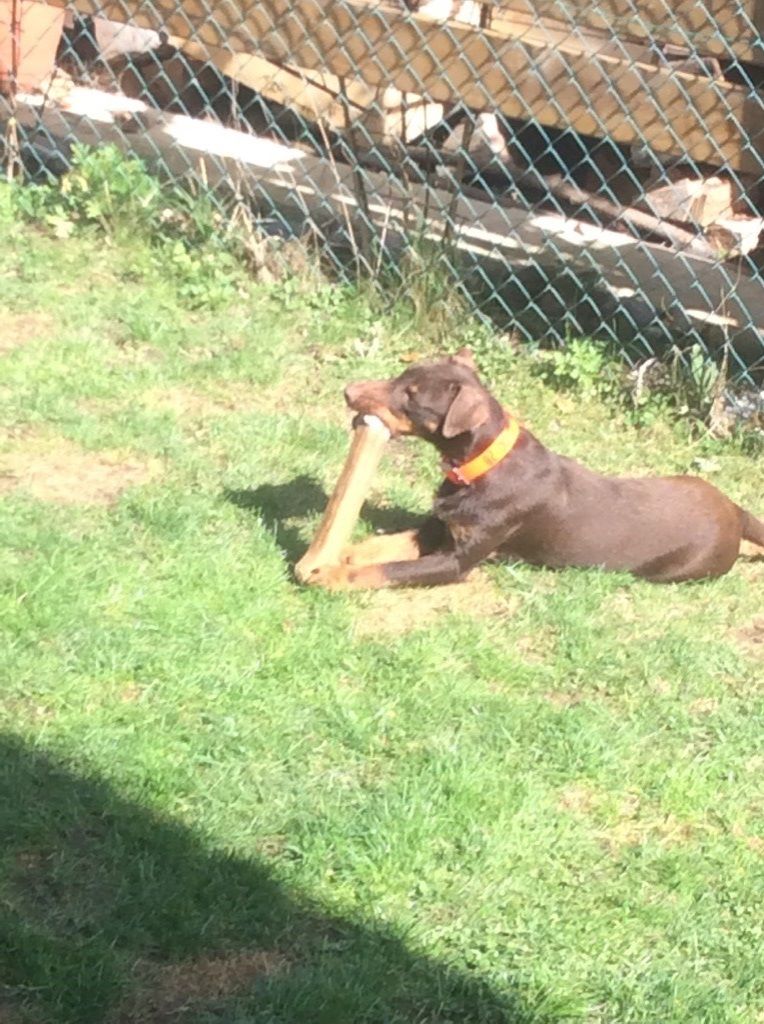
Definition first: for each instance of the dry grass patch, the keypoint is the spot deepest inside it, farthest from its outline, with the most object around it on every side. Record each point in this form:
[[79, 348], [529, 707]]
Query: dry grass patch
[[579, 798], [751, 569], [292, 399], [395, 612], [638, 824], [562, 700], [622, 605], [635, 823], [756, 845], [186, 402], [751, 636], [17, 329], [704, 706], [534, 648], [167, 993], [666, 830], [54, 469]]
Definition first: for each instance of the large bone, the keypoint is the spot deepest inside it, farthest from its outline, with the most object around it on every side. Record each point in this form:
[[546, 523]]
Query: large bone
[[341, 515]]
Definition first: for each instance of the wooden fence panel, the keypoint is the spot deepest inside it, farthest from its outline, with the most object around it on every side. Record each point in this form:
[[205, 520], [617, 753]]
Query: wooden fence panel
[[568, 86]]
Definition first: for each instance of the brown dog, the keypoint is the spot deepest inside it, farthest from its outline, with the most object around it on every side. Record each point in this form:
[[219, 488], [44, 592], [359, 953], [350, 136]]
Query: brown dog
[[506, 493]]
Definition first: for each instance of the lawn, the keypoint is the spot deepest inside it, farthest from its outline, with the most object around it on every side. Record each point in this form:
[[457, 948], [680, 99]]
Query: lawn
[[536, 797]]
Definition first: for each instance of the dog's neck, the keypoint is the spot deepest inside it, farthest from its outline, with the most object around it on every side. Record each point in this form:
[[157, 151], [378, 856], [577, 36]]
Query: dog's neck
[[463, 446]]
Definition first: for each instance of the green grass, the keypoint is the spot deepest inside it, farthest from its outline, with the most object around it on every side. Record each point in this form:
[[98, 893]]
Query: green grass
[[223, 798]]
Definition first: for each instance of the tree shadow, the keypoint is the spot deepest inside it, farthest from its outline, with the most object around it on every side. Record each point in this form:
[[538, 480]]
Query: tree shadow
[[111, 913], [281, 504]]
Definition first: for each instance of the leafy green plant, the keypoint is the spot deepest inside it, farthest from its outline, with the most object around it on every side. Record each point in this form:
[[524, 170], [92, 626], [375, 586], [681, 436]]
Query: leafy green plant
[[205, 277], [103, 187], [582, 366], [192, 242], [206, 243]]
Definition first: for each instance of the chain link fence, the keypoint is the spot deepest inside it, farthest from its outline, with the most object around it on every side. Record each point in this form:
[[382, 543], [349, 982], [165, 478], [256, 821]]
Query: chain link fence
[[578, 169]]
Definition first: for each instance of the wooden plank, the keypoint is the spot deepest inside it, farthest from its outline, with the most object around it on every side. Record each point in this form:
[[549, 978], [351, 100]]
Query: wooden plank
[[384, 113], [715, 27], [674, 113], [313, 95], [549, 33]]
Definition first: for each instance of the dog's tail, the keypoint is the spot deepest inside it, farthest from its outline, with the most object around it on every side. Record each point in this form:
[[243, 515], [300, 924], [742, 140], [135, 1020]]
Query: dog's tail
[[753, 528]]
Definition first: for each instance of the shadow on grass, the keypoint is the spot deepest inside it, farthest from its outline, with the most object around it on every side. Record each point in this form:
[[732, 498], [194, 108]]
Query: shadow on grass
[[278, 504], [111, 913]]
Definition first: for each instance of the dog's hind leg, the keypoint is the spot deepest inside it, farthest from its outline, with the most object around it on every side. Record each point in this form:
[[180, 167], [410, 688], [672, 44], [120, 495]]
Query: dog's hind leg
[[752, 544]]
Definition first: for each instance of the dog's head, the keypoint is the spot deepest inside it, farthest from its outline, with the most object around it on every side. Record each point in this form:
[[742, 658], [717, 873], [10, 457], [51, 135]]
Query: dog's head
[[435, 400]]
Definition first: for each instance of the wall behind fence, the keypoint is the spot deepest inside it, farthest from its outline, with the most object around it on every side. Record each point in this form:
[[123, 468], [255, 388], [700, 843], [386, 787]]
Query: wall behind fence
[[579, 169]]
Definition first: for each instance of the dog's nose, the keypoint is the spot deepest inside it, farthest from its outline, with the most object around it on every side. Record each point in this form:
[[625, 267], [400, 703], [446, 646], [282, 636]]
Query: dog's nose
[[353, 393]]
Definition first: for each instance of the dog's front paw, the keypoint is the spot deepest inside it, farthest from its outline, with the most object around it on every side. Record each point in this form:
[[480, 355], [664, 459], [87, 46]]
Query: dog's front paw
[[331, 577]]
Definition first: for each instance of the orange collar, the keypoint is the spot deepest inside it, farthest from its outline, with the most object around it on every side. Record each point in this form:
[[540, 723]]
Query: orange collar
[[484, 461]]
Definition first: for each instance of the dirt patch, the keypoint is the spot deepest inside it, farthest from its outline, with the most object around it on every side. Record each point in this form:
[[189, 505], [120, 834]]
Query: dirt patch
[[751, 636], [57, 470], [14, 434], [395, 612], [17, 329], [166, 993]]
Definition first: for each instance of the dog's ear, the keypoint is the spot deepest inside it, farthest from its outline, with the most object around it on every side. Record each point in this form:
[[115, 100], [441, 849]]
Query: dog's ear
[[465, 357], [468, 411]]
